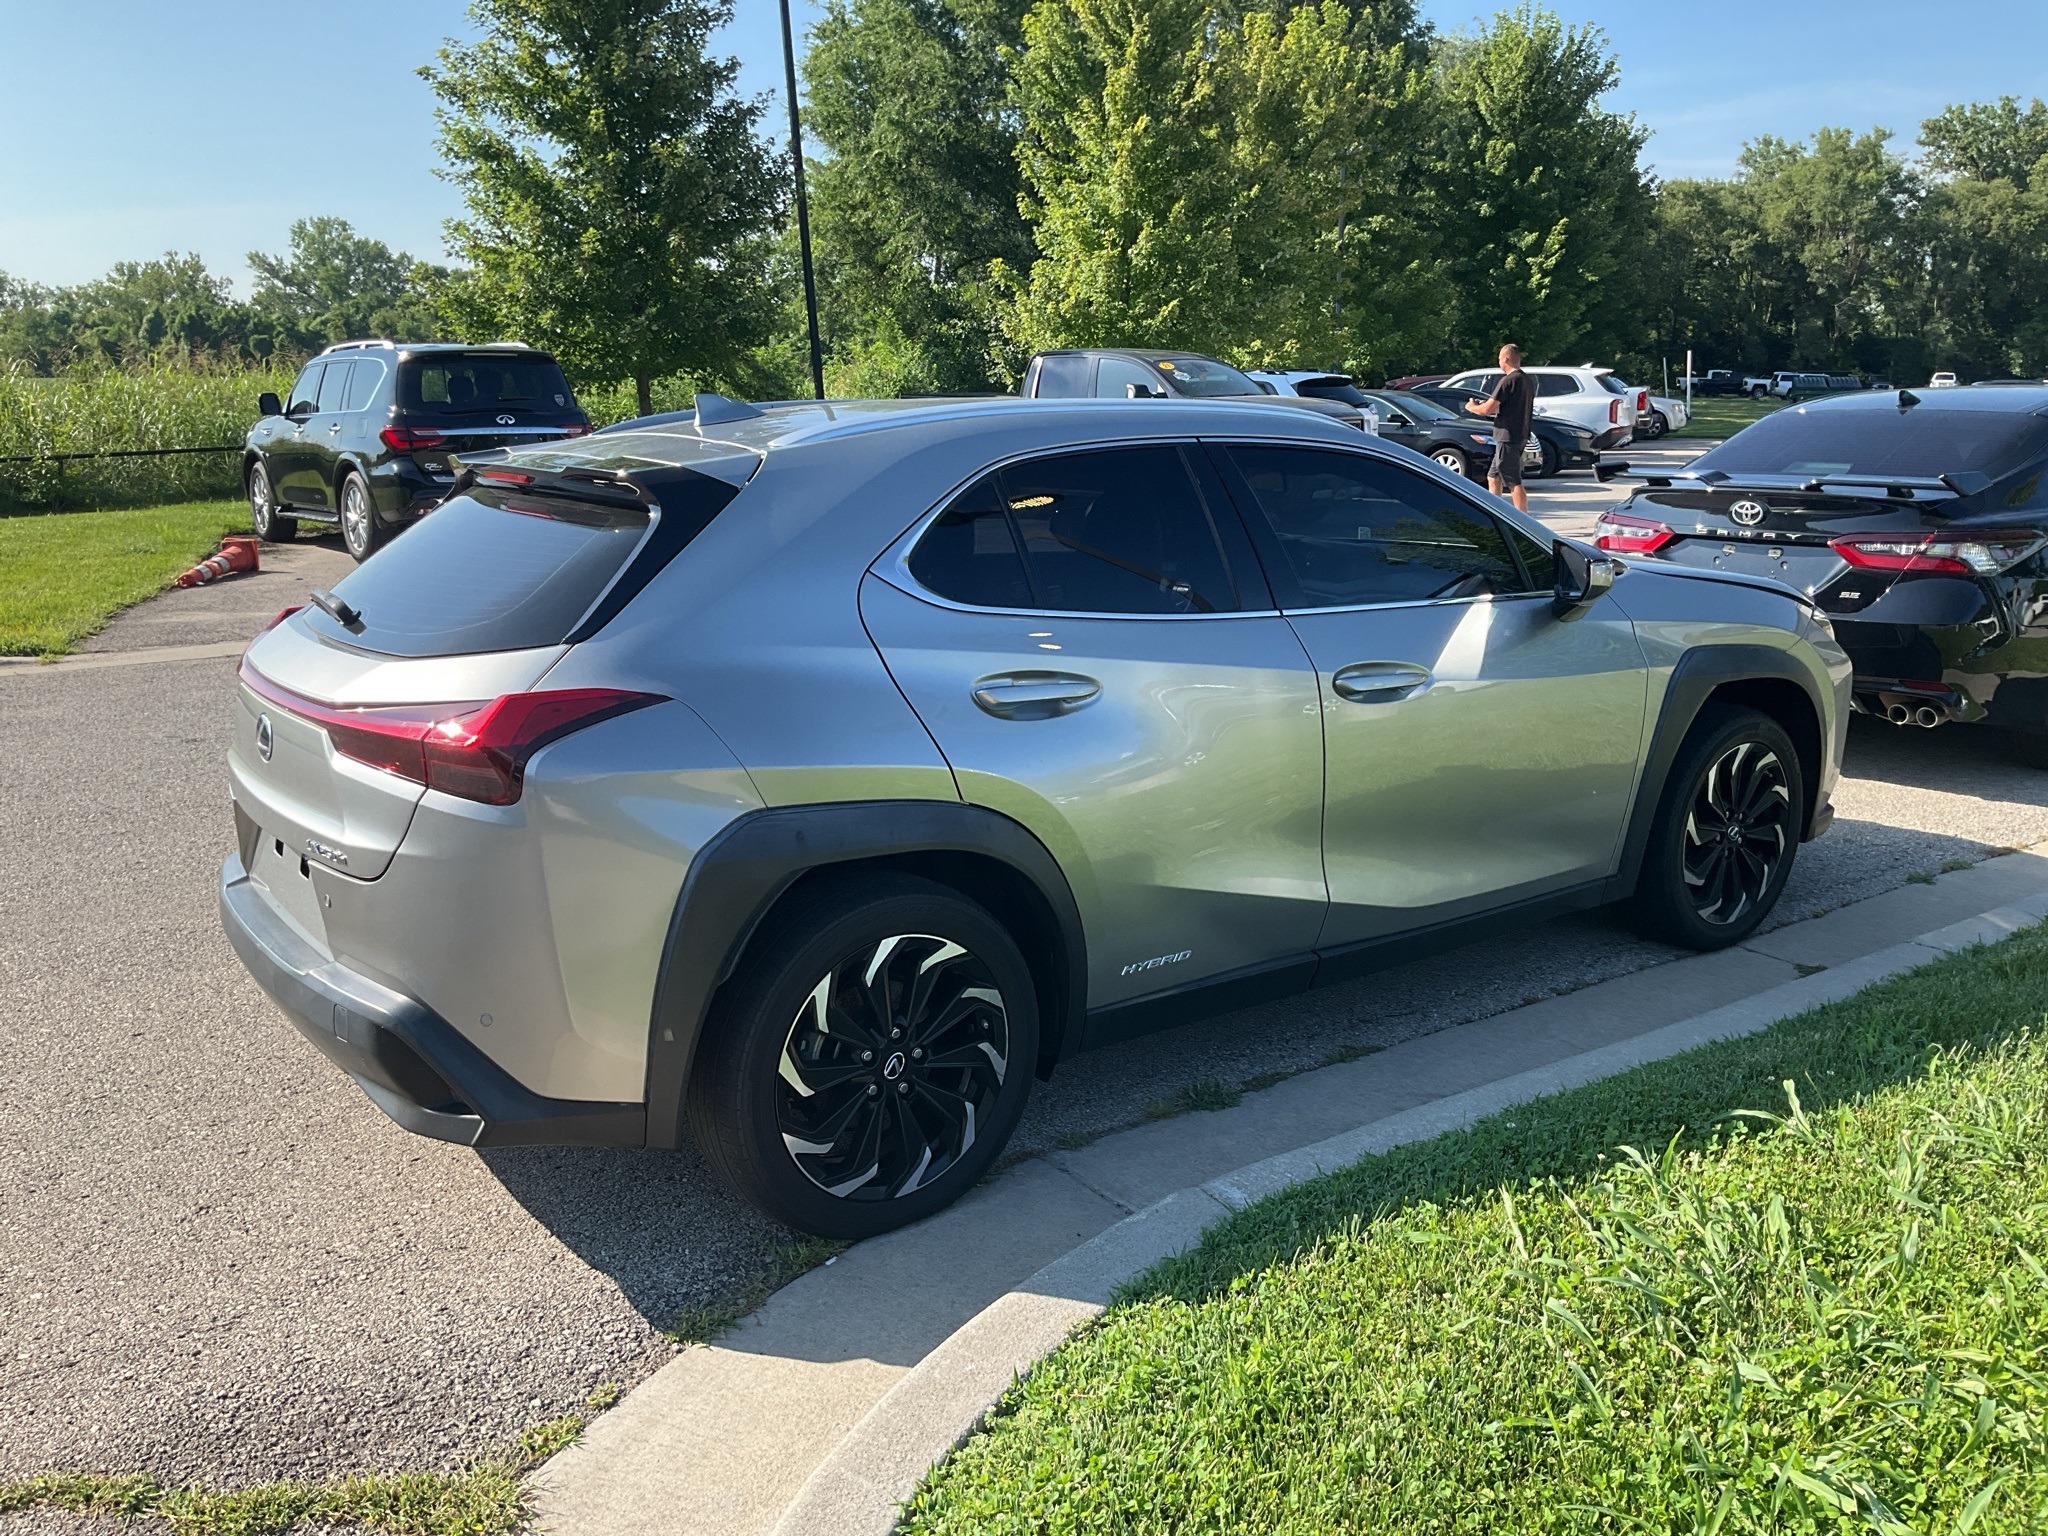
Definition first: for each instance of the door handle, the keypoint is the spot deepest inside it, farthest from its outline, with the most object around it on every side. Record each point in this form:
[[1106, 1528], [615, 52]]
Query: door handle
[[1380, 682], [334, 429], [1034, 695]]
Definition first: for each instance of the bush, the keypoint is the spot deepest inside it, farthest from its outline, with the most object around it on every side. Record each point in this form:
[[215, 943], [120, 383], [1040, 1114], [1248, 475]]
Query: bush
[[153, 407]]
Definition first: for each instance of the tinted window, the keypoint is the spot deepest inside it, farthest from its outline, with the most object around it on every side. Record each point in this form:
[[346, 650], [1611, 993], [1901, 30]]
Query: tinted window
[[1538, 559], [1065, 376], [1556, 384], [365, 374], [459, 383], [970, 554], [1115, 375], [1415, 407], [1612, 385], [306, 388], [1886, 441], [1353, 529], [1332, 389], [334, 387]]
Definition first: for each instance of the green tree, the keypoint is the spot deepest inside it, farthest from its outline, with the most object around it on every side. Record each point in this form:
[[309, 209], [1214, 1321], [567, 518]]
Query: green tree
[[1219, 177], [1985, 228], [620, 201], [1541, 202], [334, 284], [919, 195]]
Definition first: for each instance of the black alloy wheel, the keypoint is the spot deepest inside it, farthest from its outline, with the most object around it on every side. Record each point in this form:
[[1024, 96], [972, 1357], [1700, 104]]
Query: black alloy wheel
[[266, 517], [874, 1058], [1726, 831]]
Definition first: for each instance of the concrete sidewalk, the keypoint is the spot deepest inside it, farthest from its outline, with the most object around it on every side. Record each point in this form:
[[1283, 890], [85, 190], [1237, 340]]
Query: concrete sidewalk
[[726, 1438]]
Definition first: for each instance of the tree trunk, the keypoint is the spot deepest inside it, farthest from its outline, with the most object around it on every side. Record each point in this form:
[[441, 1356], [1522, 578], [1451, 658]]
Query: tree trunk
[[644, 386]]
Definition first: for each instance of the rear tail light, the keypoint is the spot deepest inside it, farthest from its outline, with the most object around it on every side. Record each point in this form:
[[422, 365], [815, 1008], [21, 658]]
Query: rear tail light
[[1642, 402], [505, 476], [476, 750], [1614, 413], [406, 439], [282, 615], [1978, 554], [1626, 535]]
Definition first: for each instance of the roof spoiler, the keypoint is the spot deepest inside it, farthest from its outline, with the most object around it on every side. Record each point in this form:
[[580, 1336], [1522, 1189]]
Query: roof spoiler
[[1967, 482]]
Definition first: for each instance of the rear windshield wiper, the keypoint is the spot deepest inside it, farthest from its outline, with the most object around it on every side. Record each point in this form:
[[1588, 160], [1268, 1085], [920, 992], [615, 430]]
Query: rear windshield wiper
[[336, 608]]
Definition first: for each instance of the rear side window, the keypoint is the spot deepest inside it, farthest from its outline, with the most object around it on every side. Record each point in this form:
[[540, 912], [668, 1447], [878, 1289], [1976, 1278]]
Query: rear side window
[[1065, 376], [458, 384], [1122, 530], [365, 374], [1354, 530], [500, 570], [1556, 384]]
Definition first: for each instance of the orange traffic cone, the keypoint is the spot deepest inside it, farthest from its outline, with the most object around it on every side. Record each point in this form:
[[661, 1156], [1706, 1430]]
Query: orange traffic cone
[[237, 553]]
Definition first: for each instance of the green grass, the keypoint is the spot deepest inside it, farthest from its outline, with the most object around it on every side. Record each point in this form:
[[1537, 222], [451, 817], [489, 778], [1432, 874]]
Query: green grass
[[1725, 415], [1814, 1299], [63, 574]]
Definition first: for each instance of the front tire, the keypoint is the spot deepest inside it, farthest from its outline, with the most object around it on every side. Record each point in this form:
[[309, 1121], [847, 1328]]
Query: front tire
[[1658, 425], [359, 528], [1758, 392], [1454, 461], [871, 1058], [266, 516], [1725, 834]]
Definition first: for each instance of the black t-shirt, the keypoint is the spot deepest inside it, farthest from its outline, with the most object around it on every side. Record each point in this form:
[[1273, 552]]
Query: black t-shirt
[[1516, 393]]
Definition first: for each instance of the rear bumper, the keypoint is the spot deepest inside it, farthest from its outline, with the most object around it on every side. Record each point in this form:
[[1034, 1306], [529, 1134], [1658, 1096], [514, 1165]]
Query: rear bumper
[[1613, 437], [410, 1062]]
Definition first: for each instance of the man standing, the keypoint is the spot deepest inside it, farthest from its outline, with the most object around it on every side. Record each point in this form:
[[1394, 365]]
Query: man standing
[[1512, 405]]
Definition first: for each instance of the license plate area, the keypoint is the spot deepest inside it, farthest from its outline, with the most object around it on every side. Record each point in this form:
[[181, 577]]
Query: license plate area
[[290, 881]]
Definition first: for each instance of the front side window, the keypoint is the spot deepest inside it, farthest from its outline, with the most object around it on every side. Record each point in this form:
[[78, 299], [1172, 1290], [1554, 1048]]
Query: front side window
[[1114, 377], [1353, 530], [306, 390], [334, 386], [1121, 530]]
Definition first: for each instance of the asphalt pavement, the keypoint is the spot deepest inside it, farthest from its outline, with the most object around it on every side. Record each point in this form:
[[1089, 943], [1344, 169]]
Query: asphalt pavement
[[222, 1264]]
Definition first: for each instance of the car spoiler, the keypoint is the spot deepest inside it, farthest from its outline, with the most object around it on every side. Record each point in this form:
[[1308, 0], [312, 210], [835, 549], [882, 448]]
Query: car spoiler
[[1967, 482]]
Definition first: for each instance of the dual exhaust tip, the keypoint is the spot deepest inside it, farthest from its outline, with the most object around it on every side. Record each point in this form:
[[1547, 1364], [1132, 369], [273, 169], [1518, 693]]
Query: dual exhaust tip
[[1926, 716]]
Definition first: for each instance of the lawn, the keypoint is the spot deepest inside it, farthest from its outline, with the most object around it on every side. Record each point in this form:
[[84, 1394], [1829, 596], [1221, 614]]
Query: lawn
[[1812, 1299], [1725, 415], [62, 574]]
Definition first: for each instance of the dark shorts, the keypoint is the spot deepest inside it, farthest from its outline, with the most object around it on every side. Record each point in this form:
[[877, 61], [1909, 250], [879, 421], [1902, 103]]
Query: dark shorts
[[1507, 464]]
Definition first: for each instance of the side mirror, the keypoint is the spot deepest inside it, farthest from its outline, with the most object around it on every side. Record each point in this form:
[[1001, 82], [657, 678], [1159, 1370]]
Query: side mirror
[[1583, 577], [302, 410], [1396, 419], [268, 404]]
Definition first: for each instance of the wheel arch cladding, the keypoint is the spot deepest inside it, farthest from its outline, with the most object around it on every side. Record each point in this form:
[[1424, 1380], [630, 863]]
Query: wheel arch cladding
[[766, 857], [1757, 676]]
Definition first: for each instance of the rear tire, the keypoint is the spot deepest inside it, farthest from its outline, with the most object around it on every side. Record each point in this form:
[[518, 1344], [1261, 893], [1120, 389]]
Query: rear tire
[[1550, 465], [1726, 832], [1757, 392], [266, 515], [360, 530], [888, 1102]]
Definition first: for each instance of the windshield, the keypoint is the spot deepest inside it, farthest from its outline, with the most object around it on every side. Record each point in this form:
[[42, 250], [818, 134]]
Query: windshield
[[1919, 443], [462, 383], [1416, 407], [1205, 378]]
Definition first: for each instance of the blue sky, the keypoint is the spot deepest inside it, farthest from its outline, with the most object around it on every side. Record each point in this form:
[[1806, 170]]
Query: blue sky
[[139, 126]]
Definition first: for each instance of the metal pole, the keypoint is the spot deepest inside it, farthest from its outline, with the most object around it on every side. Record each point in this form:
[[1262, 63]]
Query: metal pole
[[803, 205], [1688, 381]]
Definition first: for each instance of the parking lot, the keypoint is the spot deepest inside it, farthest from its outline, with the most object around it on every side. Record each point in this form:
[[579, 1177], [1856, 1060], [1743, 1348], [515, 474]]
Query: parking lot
[[223, 1264]]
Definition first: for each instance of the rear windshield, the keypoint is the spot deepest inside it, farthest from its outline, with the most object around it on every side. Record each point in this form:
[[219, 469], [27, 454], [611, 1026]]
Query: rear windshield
[[1332, 389], [459, 383], [1612, 385], [487, 571], [1918, 443]]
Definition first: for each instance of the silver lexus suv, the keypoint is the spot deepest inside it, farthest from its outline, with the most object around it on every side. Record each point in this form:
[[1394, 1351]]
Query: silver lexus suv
[[807, 779]]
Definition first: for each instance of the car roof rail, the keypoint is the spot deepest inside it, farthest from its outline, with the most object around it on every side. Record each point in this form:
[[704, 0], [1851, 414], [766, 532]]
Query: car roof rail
[[356, 346]]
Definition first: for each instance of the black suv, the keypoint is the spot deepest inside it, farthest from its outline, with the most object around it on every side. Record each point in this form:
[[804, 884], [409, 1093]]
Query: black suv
[[366, 438]]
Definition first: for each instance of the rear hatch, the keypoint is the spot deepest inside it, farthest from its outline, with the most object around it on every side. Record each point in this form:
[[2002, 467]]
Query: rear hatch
[[345, 713], [452, 403]]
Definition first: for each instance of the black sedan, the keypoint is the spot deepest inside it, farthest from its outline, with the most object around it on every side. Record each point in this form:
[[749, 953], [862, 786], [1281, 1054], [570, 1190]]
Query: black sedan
[[1562, 444], [1916, 522], [1464, 444]]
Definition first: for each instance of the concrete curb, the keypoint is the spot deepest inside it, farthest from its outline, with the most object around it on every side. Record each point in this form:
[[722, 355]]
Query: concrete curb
[[89, 661], [860, 1487]]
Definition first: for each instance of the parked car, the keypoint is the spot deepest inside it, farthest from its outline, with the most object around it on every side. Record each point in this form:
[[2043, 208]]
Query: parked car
[[1942, 380], [1415, 380], [1554, 445], [845, 767], [1318, 384], [1592, 397], [1658, 415], [1717, 381], [1131, 373], [1917, 523], [364, 440]]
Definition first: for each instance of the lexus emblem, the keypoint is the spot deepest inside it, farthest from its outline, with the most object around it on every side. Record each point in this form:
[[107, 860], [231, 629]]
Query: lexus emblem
[[506, 421], [1748, 513], [265, 742]]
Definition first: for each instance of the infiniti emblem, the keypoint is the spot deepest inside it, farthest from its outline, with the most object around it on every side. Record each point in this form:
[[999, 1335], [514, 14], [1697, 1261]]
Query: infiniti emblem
[[265, 744], [506, 421], [1748, 513]]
